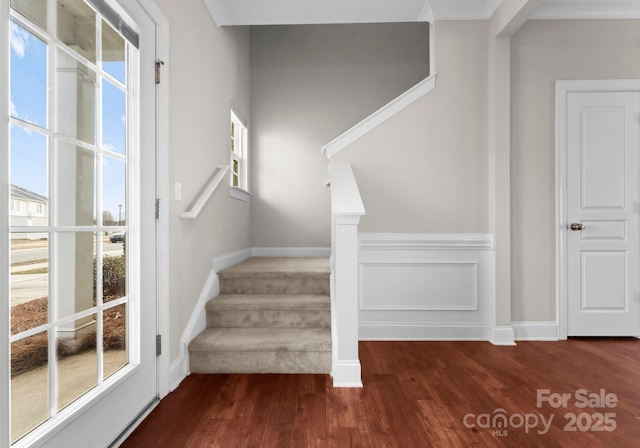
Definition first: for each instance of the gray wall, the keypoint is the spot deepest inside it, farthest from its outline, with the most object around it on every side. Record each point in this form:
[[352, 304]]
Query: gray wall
[[308, 85], [425, 169], [210, 67], [542, 53]]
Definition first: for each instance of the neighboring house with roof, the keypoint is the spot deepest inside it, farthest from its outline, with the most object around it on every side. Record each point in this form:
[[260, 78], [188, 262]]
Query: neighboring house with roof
[[28, 209]]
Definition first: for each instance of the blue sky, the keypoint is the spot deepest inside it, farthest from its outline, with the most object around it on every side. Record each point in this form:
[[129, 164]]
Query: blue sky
[[29, 103]]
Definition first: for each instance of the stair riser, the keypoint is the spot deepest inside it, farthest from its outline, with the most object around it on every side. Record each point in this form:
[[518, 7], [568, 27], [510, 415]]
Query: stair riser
[[274, 286], [260, 362], [268, 319]]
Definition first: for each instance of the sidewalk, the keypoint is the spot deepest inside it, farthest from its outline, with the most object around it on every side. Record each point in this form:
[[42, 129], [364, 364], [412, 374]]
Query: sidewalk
[[28, 267], [30, 390], [27, 287]]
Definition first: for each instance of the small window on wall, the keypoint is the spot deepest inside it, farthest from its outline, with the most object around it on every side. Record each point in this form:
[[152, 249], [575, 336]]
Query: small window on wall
[[238, 147]]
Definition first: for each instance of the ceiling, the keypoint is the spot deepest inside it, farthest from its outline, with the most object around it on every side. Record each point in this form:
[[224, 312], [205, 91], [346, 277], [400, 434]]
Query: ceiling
[[281, 12]]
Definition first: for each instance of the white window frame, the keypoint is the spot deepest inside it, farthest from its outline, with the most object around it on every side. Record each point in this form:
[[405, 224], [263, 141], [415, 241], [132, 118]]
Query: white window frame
[[238, 149]]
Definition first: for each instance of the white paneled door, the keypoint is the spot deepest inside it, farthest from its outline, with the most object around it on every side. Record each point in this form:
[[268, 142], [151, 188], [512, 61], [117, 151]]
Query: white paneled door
[[603, 270]]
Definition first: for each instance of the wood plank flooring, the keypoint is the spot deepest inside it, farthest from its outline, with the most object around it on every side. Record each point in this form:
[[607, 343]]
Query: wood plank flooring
[[416, 394]]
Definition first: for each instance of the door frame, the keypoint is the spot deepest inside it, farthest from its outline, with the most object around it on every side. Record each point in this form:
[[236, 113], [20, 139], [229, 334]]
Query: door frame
[[563, 88], [162, 191]]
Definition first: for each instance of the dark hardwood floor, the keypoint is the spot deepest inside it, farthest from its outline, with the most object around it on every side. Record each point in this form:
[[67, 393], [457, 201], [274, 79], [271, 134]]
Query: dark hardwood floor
[[417, 394]]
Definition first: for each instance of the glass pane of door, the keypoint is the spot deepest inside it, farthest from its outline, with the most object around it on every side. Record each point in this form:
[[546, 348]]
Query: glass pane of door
[[28, 75], [29, 384]]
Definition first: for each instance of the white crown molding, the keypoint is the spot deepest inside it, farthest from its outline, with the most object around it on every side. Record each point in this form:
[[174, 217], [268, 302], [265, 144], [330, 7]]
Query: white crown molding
[[218, 12], [588, 9], [446, 10], [290, 12], [464, 9]]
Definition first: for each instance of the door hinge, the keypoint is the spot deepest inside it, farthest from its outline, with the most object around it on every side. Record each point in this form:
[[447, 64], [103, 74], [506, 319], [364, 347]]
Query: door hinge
[[158, 345], [157, 208], [159, 65]]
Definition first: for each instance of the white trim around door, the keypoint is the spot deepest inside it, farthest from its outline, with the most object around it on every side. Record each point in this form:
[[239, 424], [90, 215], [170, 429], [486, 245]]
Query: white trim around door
[[162, 189], [563, 89]]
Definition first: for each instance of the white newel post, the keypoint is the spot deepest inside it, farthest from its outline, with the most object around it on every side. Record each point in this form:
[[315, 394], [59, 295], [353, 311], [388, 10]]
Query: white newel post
[[346, 210]]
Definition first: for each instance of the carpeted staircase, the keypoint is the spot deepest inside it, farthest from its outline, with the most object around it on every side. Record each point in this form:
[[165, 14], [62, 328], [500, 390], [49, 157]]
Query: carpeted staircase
[[272, 316]]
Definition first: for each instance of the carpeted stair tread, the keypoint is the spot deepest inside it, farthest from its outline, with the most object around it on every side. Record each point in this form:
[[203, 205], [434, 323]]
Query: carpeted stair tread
[[278, 267], [269, 302], [262, 339], [260, 362]]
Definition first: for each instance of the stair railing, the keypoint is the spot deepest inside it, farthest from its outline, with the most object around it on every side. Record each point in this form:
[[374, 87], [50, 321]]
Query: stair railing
[[346, 210], [205, 193]]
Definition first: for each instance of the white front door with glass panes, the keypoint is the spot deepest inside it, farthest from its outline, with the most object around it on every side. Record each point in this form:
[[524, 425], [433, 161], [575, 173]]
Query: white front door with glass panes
[[80, 303]]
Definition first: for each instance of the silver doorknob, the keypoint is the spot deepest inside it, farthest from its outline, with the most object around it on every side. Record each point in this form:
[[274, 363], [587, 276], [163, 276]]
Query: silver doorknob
[[577, 226]]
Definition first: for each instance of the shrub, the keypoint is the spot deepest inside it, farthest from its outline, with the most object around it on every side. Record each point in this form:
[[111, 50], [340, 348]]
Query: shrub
[[113, 277]]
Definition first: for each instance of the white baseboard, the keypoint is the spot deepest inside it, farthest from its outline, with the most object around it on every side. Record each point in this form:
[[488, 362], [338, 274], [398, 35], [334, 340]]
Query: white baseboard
[[503, 335], [347, 373], [198, 320], [535, 331], [324, 252], [178, 371], [228, 260], [403, 331]]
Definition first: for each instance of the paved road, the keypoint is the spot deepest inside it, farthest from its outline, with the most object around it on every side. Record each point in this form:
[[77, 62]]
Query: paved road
[[26, 287], [25, 255]]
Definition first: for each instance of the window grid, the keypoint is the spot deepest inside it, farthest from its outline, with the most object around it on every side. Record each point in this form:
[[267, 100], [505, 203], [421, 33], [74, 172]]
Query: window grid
[[98, 149]]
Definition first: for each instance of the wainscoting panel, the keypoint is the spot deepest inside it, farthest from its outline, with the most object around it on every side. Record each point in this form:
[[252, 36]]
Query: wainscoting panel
[[427, 286], [419, 286]]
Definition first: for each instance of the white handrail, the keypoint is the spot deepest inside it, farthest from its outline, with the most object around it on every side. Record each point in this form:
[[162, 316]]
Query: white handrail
[[378, 117], [206, 194], [346, 211]]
